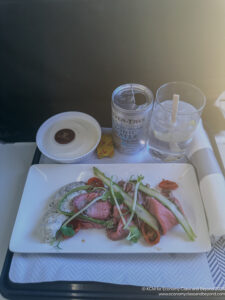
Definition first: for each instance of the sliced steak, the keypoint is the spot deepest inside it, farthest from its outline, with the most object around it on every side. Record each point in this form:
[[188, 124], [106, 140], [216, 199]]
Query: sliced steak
[[119, 233], [99, 210], [122, 184], [164, 216], [116, 215], [129, 188], [82, 200]]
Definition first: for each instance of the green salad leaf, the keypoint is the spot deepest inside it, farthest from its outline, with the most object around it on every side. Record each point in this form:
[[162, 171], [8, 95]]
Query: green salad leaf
[[134, 234], [67, 231]]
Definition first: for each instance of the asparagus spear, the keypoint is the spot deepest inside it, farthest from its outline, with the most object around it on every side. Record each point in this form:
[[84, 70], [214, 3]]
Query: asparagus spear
[[135, 200], [141, 212], [172, 207]]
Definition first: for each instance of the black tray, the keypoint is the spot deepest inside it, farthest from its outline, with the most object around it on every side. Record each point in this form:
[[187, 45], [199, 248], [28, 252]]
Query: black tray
[[84, 290]]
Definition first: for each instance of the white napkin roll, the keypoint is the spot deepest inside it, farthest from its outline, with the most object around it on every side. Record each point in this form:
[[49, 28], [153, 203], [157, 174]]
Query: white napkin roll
[[200, 140], [212, 189], [220, 141], [211, 181]]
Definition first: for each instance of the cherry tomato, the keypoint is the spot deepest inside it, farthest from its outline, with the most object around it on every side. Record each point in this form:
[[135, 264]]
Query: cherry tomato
[[96, 182], [168, 185], [150, 235]]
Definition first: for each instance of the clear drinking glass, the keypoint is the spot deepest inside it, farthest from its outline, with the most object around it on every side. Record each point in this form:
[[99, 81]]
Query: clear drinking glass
[[175, 117]]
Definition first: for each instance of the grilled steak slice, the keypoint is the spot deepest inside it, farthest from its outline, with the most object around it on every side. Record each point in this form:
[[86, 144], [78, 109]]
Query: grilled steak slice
[[98, 210], [116, 215], [119, 233], [82, 200], [164, 216]]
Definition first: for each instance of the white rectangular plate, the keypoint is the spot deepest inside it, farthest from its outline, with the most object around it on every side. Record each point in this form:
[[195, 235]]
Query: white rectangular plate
[[45, 180]]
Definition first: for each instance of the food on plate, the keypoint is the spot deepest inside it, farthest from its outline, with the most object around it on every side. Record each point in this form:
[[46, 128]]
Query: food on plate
[[54, 218], [168, 185], [95, 181], [125, 209], [105, 147]]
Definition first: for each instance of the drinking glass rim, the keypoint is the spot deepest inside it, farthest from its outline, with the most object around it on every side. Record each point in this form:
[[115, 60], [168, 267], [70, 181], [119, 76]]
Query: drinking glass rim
[[187, 84]]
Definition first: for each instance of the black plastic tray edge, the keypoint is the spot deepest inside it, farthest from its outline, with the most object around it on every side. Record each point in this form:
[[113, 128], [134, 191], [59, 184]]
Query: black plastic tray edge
[[81, 290]]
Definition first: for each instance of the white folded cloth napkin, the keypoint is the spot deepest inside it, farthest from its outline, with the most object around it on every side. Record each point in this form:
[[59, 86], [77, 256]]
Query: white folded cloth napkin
[[155, 270]]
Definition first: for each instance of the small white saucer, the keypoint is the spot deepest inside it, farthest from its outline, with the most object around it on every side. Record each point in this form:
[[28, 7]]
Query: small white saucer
[[86, 134]]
